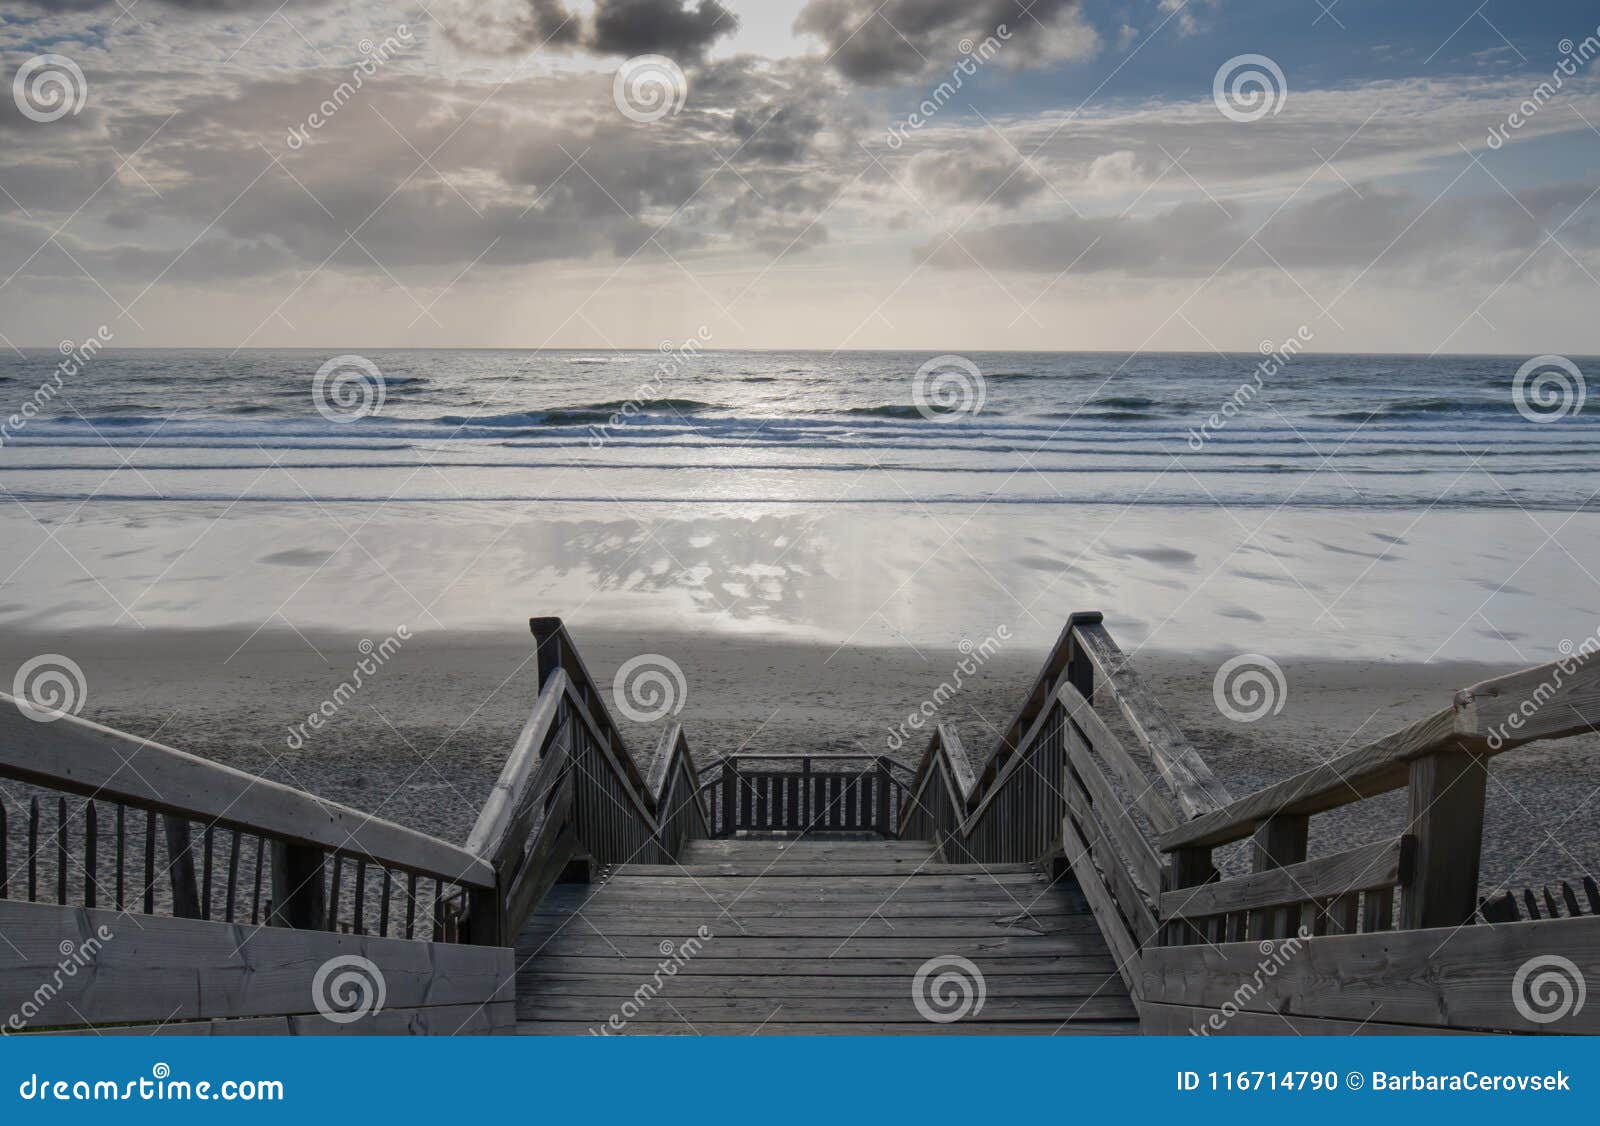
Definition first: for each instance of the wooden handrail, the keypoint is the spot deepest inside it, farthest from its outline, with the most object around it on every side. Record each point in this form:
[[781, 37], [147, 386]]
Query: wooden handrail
[[81, 757], [553, 802], [1550, 701]]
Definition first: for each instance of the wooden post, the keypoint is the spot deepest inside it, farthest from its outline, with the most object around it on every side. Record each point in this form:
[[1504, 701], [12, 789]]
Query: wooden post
[[1189, 867], [730, 796], [485, 926], [547, 634], [297, 887], [180, 867], [808, 804], [1279, 842], [1447, 796], [882, 813], [1080, 670]]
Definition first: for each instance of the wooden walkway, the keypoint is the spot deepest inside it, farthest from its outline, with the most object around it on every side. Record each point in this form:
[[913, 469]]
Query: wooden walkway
[[1066, 881], [817, 937]]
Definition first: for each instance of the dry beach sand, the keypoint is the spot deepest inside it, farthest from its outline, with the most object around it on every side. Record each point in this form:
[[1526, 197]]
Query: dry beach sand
[[423, 739]]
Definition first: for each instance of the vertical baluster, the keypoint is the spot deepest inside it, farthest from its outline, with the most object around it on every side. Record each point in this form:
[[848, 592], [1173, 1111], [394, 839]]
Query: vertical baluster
[[411, 905], [33, 850], [233, 876], [255, 892], [358, 912], [61, 850], [122, 856], [438, 910], [180, 868], [5, 863], [383, 915], [333, 893], [205, 873], [149, 862], [91, 848]]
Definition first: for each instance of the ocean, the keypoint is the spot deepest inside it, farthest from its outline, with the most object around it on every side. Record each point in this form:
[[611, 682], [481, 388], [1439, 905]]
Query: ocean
[[796, 427], [1380, 506]]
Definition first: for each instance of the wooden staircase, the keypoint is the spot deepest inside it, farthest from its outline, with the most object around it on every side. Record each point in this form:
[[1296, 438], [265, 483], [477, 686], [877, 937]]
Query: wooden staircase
[[811, 936]]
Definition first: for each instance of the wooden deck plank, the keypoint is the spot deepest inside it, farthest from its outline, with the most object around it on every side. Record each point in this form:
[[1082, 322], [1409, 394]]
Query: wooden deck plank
[[834, 1009], [783, 1028], [582, 942], [813, 937]]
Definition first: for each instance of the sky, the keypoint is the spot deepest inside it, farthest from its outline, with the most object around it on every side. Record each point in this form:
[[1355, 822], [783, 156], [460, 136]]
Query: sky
[[819, 174]]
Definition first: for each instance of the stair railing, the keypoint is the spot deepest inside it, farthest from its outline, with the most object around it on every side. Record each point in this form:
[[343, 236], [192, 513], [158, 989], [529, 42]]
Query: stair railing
[[106, 819], [572, 791]]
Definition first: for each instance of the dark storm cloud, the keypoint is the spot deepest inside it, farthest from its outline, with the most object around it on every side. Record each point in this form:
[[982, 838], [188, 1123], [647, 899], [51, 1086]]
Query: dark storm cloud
[[883, 41], [680, 29]]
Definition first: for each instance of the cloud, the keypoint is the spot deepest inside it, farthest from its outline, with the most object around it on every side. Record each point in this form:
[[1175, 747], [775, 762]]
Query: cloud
[[1375, 229], [987, 172], [680, 29], [875, 42]]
